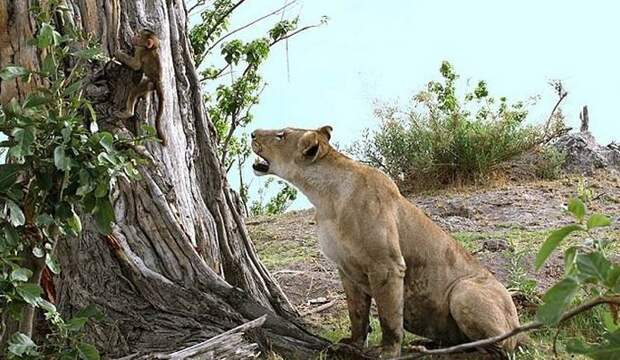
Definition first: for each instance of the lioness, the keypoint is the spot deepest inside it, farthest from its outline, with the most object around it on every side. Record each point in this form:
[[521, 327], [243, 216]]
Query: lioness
[[386, 248]]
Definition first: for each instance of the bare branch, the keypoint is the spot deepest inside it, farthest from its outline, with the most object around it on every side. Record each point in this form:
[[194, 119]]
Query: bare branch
[[275, 12], [196, 5], [319, 308], [294, 33], [557, 85], [518, 330], [222, 18]]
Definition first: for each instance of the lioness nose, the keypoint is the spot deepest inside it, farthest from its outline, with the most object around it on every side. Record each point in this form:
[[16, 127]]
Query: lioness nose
[[253, 135]]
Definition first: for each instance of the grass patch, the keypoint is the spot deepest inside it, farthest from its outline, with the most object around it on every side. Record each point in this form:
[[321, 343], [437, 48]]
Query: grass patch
[[338, 327], [279, 253]]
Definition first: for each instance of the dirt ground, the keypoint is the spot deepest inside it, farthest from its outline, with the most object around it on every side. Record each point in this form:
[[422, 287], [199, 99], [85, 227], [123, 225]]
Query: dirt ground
[[502, 225]]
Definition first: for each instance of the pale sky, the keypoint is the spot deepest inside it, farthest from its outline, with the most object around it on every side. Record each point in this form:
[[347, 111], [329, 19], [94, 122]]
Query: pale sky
[[389, 50]]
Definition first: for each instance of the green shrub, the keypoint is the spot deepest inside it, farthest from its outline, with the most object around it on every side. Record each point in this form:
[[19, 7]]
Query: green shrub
[[549, 165], [442, 138], [275, 205]]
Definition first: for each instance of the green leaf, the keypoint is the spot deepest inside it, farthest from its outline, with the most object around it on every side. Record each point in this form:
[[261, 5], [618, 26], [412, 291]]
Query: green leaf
[[577, 208], [47, 306], [21, 344], [88, 352], [91, 311], [598, 220], [102, 188], [552, 242], [93, 117], [593, 266], [21, 274], [608, 350], [8, 175], [569, 259], [60, 160], [11, 235], [52, 264], [49, 64], [25, 139], [30, 293], [76, 324], [12, 71], [613, 278], [106, 140], [47, 36], [44, 220], [88, 53], [104, 215], [16, 215], [74, 223], [609, 322], [71, 89], [36, 100], [556, 299]]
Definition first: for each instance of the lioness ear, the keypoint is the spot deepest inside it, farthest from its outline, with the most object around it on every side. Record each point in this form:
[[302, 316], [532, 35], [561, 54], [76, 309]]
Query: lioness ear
[[150, 43], [327, 131], [309, 145]]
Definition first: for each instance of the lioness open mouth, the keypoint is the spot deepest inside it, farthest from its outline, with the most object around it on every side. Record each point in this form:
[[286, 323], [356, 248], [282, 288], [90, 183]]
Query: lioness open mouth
[[261, 165]]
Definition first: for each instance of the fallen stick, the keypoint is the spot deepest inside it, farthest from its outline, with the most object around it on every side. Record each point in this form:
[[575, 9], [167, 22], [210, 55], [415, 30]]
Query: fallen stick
[[319, 308]]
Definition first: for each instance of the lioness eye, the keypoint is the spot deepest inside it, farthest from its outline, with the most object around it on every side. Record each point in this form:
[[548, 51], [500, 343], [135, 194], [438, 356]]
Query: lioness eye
[[280, 136]]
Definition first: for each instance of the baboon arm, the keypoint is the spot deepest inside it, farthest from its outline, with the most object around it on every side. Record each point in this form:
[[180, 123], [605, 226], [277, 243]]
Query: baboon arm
[[133, 62]]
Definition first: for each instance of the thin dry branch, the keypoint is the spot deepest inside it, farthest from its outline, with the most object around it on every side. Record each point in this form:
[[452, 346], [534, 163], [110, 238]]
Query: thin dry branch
[[518, 330], [275, 12], [294, 33], [561, 96], [319, 308]]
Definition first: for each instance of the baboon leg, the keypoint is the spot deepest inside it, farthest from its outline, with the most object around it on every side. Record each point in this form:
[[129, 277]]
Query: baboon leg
[[483, 310], [140, 89], [132, 99], [358, 303], [387, 289]]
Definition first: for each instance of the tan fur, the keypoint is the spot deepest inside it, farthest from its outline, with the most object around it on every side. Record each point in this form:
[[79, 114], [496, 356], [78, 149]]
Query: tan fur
[[388, 249], [145, 58]]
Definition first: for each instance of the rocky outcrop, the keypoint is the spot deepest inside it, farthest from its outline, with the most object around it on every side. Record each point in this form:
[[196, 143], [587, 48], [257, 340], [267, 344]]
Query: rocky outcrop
[[584, 154]]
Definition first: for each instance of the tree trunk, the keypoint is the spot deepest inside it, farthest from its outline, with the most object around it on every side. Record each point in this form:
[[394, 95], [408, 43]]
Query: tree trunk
[[179, 267]]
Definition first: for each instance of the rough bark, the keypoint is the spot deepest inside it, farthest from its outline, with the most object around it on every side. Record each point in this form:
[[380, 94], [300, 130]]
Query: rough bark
[[179, 267]]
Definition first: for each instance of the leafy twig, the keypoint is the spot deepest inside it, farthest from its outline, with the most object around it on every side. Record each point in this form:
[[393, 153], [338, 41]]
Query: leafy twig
[[275, 12]]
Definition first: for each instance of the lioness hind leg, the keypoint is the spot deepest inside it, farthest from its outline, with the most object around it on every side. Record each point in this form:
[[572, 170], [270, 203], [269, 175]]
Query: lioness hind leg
[[358, 304], [483, 310]]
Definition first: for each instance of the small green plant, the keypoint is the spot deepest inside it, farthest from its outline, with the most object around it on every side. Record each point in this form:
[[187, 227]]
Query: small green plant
[[277, 204], [59, 167], [518, 278], [549, 165], [444, 139], [584, 192], [588, 271]]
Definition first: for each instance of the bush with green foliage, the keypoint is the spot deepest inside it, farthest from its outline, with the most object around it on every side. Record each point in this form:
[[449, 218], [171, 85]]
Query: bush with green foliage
[[277, 204], [444, 138], [549, 163], [59, 168], [588, 273]]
